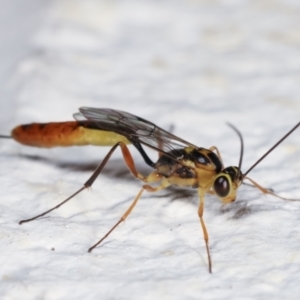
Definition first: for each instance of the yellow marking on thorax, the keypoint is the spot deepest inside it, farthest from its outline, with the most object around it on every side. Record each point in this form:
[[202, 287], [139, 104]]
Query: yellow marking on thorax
[[205, 178]]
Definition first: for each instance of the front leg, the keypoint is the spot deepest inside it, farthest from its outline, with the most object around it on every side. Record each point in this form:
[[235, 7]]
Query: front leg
[[201, 193]]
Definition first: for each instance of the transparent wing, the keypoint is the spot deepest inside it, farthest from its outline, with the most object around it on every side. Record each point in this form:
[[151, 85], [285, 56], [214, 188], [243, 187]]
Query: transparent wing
[[132, 127]]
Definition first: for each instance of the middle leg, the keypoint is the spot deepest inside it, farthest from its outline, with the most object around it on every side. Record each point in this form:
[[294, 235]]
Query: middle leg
[[146, 187]]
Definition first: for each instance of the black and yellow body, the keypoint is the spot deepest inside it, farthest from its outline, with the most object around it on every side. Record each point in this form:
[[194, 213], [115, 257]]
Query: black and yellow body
[[193, 167], [180, 163], [202, 169]]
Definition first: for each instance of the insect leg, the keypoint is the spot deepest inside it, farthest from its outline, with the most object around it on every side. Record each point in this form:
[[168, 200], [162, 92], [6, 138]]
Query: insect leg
[[128, 160], [146, 158], [205, 233], [268, 191], [146, 187]]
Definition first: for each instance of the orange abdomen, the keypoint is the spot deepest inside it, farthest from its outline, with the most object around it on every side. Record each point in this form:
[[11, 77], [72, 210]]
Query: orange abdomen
[[47, 135]]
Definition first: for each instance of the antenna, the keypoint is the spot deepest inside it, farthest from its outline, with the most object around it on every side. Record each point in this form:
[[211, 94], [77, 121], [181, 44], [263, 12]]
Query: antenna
[[271, 149], [242, 146]]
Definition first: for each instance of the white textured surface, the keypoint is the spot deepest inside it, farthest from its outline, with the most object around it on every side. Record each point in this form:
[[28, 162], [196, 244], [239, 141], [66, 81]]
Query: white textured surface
[[194, 64]]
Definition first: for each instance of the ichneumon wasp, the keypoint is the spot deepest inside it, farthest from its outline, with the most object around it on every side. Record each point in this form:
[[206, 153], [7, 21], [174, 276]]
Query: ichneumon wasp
[[180, 163]]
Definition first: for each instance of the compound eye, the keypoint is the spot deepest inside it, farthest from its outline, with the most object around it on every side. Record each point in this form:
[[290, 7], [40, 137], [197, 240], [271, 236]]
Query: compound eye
[[221, 186]]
